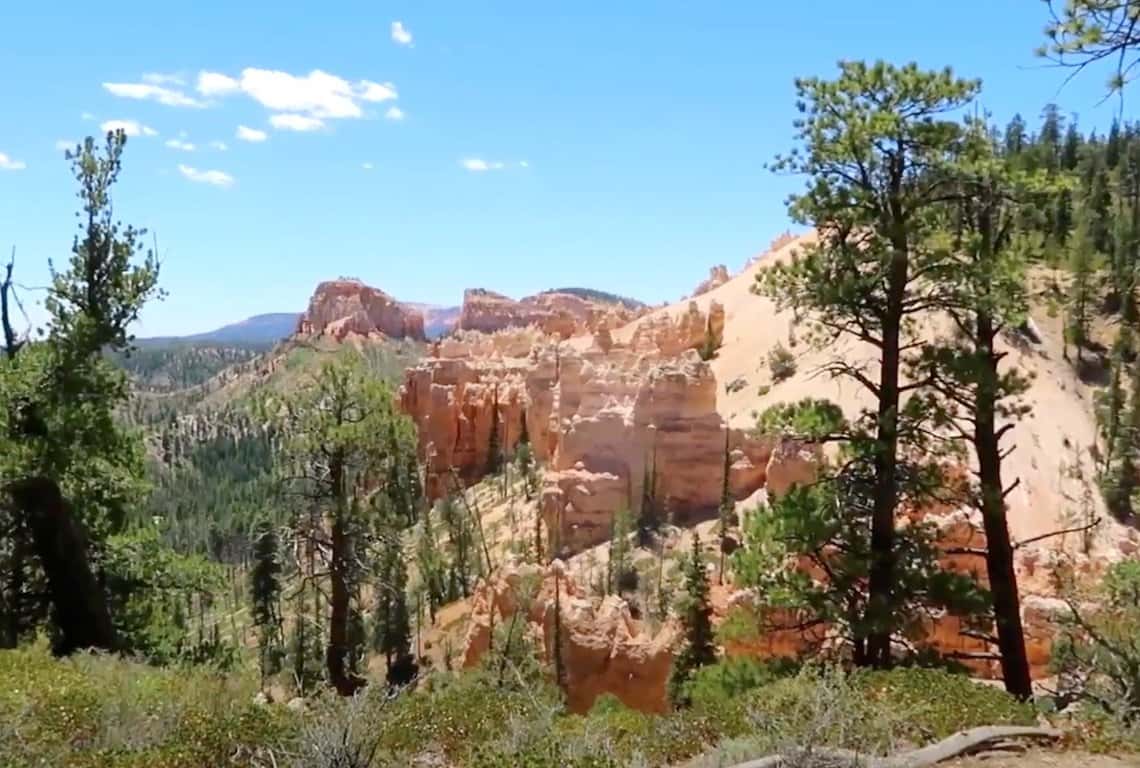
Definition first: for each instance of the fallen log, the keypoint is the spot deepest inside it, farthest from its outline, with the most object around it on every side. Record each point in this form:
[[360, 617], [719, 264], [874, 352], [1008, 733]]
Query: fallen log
[[959, 744]]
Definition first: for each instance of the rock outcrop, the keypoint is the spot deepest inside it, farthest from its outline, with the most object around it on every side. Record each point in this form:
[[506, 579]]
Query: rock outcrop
[[718, 276], [604, 649], [603, 418], [343, 308], [557, 314]]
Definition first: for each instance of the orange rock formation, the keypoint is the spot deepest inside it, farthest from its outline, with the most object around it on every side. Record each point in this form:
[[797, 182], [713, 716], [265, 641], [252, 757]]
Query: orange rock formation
[[601, 417], [604, 649], [555, 313], [718, 276], [342, 308]]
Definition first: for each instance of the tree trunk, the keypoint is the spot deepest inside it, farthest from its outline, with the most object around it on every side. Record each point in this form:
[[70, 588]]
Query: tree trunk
[[999, 550], [13, 608], [81, 612], [878, 652], [336, 654]]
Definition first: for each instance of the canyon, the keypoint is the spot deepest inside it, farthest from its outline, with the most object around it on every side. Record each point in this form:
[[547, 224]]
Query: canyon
[[612, 398]]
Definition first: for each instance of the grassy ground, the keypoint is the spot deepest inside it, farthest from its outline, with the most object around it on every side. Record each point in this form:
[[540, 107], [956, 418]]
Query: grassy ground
[[100, 712]]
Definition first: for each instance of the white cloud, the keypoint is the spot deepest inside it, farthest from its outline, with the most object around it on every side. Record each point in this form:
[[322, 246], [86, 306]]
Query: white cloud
[[221, 146], [65, 145], [370, 91], [291, 122], [157, 78], [8, 164], [394, 113], [479, 165], [87, 116], [216, 84], [400, 34], [179, 144], [524, 164], [366, 166], [151, 92], [129, 127], [251, 134], [317, 95], [215, 178]]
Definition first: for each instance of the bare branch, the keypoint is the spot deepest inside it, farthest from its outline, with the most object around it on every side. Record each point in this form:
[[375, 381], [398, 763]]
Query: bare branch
[[1062, 532]]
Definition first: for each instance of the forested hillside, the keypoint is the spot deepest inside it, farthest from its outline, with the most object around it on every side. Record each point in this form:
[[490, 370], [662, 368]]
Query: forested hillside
[[210, 455], [171, 366]]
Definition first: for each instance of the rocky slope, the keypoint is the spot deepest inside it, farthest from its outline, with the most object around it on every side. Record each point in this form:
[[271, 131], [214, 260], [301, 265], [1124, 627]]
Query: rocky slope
[[343, 308], [603, 405]]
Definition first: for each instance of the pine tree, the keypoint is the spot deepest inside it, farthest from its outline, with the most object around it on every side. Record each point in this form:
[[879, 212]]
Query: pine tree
[[432, 570], [1082, 258], [460, 548], [68, 468], [1016, 138], [1111, 405], [696, 617], [973, 392], [1126, 237], [725, 510], [343, 432], [649, 514], [392, 622], [1048, 144], [1112, 145], [1070, 151], [621, 577], [1120, 482], [1081, 32], [265, 596], [867, 136]]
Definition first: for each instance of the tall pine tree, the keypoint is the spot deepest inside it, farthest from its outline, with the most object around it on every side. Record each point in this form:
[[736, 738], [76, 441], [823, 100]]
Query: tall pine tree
[[873, 142], [699, 648]]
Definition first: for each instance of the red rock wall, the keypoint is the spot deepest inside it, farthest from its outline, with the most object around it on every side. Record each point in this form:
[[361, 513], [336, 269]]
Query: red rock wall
[[557, 314], [340, 308]]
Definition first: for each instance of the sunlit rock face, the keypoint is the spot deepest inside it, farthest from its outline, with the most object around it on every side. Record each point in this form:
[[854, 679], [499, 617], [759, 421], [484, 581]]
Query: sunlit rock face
[[343, 308]]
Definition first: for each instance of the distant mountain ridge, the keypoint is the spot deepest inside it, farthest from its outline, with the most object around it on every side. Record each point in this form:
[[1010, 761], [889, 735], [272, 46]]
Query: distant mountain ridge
[[261, 330]]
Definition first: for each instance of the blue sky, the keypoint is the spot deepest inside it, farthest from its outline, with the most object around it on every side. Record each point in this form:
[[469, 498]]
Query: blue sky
[[632, 136]]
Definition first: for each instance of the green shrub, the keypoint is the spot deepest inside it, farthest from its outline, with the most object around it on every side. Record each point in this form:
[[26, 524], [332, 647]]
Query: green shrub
[[938, 703], [781, 363], [807, 418], [1097, 654], [92, 710], [718, 684]]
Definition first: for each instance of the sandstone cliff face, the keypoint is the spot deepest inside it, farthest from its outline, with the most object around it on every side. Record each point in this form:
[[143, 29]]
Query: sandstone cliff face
[[602, 418], [557, 314], [343, 308], [604, 649]]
